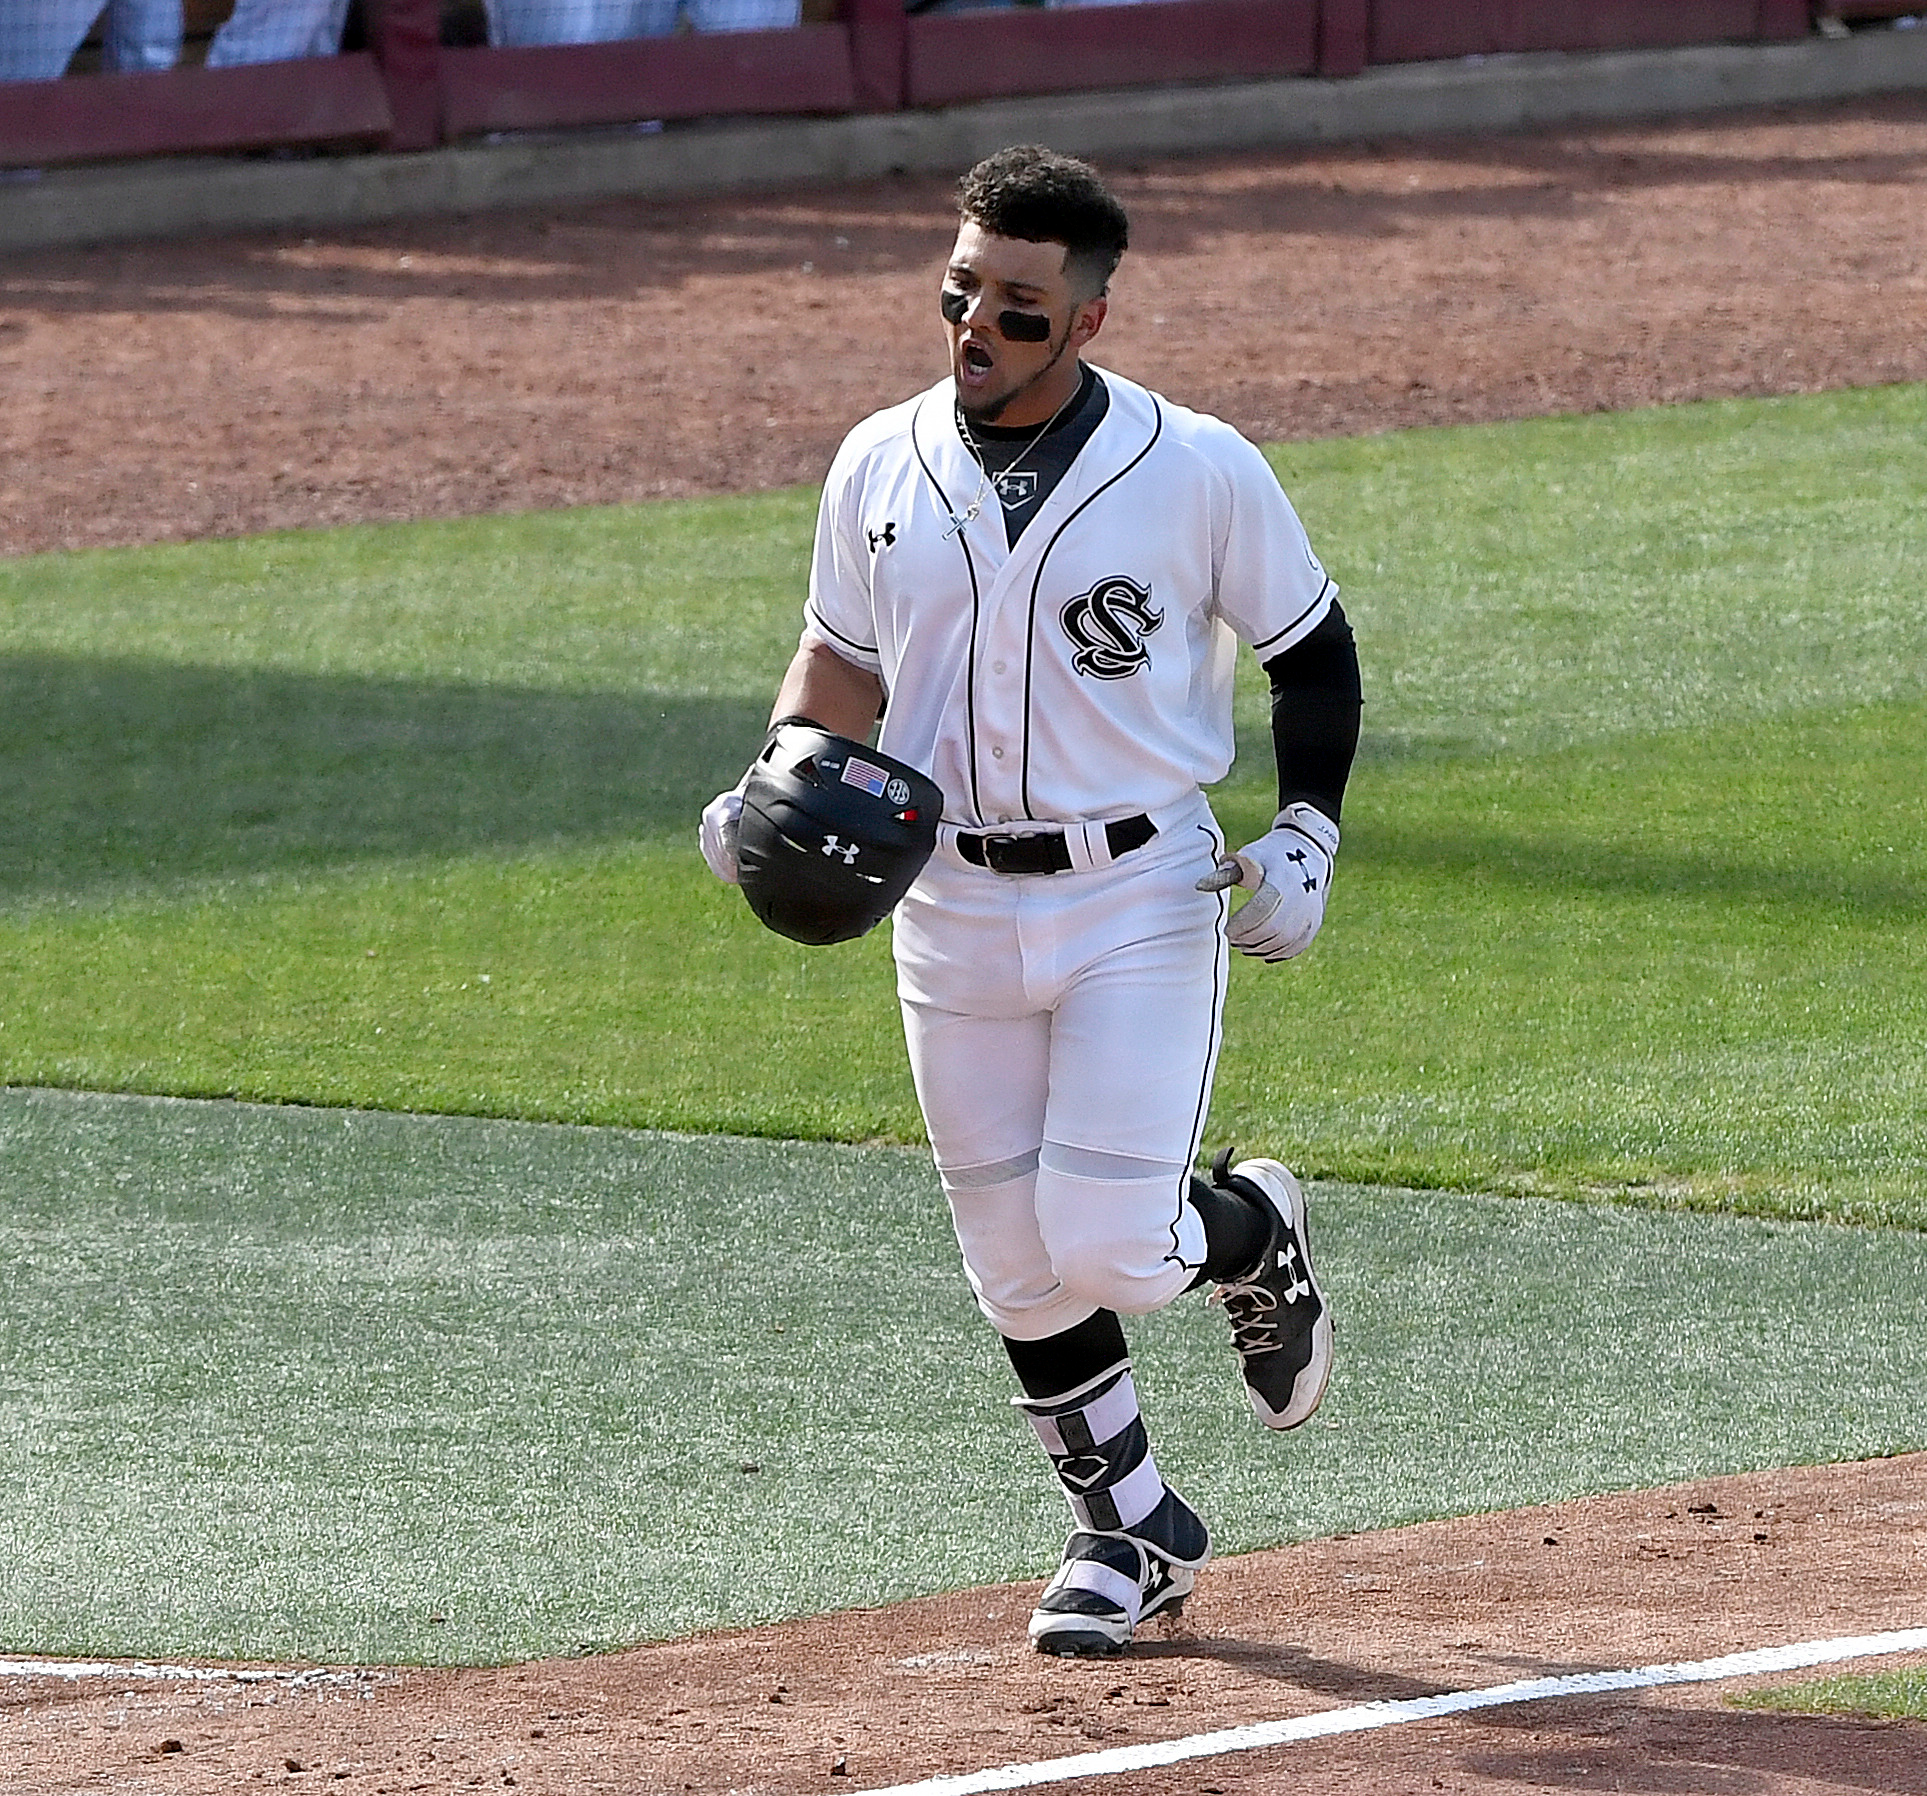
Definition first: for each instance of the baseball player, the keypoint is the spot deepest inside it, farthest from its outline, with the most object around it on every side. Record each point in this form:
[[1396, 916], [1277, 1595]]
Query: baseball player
[[1036, 574]]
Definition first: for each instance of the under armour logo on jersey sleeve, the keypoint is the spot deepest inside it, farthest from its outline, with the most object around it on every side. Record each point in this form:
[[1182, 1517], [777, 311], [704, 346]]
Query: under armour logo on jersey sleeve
[[1109, 624], [883, 539]]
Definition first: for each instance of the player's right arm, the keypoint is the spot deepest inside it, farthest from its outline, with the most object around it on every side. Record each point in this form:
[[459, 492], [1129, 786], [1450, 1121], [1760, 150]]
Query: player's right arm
[[823, 688], [823, 685]]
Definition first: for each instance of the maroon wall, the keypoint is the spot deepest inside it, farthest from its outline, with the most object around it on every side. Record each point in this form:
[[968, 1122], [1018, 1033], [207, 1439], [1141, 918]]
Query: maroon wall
[[325, 100], [407, 37], [956, 57], [1430, 30], [1344, 36], [412, 93], [687, 76], [1783, 19]]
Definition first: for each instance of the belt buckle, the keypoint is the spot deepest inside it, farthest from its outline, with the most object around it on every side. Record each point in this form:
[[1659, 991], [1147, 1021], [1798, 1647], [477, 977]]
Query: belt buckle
[[1003, 848]]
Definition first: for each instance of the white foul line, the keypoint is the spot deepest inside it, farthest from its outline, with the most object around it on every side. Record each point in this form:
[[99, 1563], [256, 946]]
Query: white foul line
[[1118, 1760]]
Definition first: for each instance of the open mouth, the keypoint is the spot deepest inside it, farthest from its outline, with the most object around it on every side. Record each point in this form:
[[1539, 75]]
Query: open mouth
[[976, 361]]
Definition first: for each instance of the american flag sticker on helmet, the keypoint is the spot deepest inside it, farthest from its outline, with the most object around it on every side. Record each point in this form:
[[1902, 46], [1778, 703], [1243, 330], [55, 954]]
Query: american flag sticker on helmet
[[860, 773]]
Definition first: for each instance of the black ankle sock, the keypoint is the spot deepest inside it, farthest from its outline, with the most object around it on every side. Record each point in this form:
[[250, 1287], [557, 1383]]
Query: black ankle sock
[[1062, 1362], [1235, 1232]]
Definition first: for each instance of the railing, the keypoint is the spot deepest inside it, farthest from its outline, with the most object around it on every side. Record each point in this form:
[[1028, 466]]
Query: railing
[[408, 91]]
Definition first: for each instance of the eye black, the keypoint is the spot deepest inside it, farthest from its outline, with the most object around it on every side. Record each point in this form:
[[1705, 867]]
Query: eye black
[[1012, 325], [1023, 327]]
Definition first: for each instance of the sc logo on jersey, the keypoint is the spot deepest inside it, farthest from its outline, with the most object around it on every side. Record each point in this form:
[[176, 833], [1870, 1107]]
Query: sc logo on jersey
[[1109, 624]]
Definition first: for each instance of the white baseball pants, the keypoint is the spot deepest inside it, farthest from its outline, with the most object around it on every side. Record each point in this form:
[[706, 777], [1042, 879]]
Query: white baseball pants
[[38, 38], [1063, 1033], [278, 31], [518, 22]]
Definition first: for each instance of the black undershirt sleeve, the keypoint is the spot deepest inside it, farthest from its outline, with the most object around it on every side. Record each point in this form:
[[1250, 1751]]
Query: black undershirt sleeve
[[1316, 697]]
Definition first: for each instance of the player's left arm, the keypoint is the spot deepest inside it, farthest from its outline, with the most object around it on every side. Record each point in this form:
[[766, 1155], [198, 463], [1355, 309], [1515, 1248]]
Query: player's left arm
[[1315, 703], [1270, 573], [1316, 700]]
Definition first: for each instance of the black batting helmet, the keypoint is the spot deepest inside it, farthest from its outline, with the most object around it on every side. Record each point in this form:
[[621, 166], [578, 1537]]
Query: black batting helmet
[[832, 834]]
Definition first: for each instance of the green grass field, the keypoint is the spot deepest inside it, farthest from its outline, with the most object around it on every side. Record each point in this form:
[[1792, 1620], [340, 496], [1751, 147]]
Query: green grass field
[[293, 1383], [402, 819], [1630, 898], [1885, 1695]]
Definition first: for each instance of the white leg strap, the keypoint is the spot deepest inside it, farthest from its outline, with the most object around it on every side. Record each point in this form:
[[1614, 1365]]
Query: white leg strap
[[1106, 1416], [1101, 1580], [1132, 1497]]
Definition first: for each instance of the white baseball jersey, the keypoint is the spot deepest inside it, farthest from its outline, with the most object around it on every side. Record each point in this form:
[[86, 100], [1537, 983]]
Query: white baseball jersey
[[1086, 673]]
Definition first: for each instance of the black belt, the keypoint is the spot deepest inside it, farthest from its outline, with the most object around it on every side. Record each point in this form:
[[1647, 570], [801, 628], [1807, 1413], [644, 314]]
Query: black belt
[[1048, 852]]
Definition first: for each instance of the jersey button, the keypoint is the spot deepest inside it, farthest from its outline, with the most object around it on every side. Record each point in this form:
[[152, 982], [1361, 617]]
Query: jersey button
[[997, 667], [997, 753]]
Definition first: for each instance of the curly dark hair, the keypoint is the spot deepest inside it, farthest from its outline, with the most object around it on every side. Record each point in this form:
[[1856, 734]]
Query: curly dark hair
[[1035, 194]]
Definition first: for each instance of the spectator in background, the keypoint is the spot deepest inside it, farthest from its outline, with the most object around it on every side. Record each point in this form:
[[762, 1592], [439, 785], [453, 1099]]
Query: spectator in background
[[518, 22], [278, 31], [38, 38]]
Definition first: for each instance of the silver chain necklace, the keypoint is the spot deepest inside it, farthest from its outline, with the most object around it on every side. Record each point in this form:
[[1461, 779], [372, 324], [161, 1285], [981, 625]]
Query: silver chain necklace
[[959, 523]]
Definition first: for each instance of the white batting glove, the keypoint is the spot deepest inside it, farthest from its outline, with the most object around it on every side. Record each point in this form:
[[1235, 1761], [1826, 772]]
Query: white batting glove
[[1287, 871], [722, 822]]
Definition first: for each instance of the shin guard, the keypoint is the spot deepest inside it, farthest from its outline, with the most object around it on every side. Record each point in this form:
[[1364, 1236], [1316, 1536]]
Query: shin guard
[[1097, 1445]]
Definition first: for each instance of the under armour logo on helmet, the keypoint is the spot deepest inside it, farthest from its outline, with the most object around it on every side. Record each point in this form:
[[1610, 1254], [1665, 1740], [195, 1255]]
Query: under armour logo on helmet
[[848, 850]]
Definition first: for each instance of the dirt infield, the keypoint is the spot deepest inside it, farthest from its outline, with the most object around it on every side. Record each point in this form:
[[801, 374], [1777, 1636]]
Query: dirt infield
[[624, 351], [943, 1686]]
